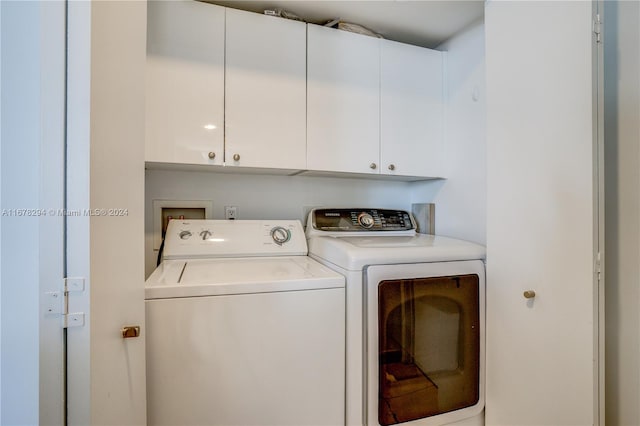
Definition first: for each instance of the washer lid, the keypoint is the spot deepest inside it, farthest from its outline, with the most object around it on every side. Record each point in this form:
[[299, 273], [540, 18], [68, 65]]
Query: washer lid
[[354, 253], [213, 277]]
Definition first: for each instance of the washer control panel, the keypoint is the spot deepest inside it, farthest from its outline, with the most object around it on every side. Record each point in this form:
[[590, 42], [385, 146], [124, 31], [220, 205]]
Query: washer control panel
[[228, 238], [361, 220]]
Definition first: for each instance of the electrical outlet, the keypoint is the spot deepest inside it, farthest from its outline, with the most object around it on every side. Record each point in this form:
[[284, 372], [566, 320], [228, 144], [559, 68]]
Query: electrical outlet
[[230, 212]]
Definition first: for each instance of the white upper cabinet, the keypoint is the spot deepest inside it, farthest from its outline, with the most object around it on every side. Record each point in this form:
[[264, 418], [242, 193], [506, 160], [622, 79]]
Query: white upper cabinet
[[185, 82], [265, 100], [235, 88], [343, 101], [373, 106], [411, 110]]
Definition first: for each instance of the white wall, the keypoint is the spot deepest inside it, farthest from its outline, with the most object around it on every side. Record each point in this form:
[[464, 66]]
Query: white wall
[[20, 147], [268, 196], [461, 199], [622, 215]]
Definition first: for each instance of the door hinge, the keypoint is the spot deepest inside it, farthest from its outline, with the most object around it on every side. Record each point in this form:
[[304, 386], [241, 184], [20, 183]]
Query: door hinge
[[72, 285], [599, 265], [57, 302], [597, 28]]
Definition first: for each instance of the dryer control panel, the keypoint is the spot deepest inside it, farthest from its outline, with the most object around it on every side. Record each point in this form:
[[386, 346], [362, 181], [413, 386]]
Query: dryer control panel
[[361, 220]]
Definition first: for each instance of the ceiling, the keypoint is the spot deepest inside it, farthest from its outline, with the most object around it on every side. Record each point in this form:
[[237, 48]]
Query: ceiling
[[424, 23]]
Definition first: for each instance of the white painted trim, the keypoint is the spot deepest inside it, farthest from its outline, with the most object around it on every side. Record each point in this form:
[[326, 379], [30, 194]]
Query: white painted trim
[[78, 137], [51, 194], [1, 139], [599, 220]]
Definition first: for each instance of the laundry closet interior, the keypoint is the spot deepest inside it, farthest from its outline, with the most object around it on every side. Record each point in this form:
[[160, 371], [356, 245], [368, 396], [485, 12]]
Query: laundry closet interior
[[273, 117], [208, 111]]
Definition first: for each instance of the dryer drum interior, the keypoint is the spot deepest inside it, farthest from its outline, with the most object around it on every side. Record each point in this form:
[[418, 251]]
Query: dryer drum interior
[[429, 346]]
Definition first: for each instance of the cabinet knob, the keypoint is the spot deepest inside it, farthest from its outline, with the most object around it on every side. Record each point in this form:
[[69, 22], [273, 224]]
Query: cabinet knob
[[212, 155], [372, 166], [529, 294], [236, 157], [392, 167]]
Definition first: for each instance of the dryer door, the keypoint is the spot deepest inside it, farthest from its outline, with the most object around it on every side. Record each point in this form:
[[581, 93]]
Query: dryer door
[[425, 341]]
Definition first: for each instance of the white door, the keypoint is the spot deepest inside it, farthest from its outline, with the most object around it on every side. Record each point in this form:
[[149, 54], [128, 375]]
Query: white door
[[411, 110], [105, 184], [343, 101], [544, 215], [265, 91]]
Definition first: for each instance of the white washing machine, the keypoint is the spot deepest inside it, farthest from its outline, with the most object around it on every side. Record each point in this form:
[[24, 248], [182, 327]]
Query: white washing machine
[[243, 328], [415, 317]]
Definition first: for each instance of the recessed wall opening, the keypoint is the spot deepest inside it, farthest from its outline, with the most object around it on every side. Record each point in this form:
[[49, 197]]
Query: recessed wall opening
[[164, 210]]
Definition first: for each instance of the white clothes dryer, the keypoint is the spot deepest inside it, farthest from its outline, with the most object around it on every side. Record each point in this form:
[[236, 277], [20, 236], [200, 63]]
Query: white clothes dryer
[[415, 317], [243, 328]]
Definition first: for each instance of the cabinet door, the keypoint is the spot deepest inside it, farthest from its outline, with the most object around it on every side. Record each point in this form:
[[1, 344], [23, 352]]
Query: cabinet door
[[265, 99], [185, 82], [343, 101], [544, 216], [411, 110]]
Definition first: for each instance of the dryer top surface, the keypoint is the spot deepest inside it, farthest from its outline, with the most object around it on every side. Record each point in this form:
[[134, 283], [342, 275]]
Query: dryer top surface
[[354, 252]]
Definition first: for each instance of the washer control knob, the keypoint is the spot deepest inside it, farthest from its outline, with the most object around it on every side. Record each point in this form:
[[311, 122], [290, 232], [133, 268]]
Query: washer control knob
[[365, 220], [205, 234], [184, 235], [280, 235]]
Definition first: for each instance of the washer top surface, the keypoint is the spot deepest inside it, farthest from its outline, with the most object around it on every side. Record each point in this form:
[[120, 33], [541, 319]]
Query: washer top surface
[[216, 277], [222, 257]]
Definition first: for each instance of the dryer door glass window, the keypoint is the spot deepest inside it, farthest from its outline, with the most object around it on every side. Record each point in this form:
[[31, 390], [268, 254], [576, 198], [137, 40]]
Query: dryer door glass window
[[429, 347]]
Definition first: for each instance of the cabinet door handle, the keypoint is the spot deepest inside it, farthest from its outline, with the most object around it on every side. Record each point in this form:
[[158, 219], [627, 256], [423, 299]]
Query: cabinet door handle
[[392, 167], [529, 294], [212, 155], [373, 166], [130, 331], [236, 157]]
